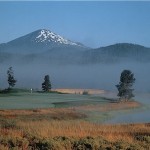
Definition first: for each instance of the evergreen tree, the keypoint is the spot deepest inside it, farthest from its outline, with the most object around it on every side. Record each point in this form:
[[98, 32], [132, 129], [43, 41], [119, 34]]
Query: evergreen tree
[[11, 80], [46, 85], [124, 87]]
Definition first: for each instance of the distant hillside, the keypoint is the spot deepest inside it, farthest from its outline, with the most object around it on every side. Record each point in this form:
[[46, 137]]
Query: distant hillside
[[118, 52]]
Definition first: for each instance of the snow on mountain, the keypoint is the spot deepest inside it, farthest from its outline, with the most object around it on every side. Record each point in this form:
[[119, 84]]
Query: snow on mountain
[[48, 36]]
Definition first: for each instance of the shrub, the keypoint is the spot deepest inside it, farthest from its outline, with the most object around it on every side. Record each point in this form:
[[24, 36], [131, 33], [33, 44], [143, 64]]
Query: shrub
[[8, 124], [85, 93], [143, 138], [121, 145]]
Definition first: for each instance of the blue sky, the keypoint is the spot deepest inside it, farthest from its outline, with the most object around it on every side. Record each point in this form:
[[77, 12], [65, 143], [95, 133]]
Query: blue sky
[[94, 24]]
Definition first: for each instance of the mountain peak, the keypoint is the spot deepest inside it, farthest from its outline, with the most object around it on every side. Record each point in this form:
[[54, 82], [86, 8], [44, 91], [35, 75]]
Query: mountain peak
[[46, 36], [39, 41]]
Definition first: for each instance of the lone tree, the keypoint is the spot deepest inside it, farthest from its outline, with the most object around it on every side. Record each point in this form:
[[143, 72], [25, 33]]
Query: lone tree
[[46, 85], [124, 87], [11, 80]]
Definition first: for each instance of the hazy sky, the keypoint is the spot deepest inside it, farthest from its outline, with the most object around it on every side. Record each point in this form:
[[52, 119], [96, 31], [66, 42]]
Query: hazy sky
[[94, 24]]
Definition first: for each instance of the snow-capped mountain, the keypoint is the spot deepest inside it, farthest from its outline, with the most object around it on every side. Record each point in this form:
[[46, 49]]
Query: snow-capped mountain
[[40, 41], [48, 36]]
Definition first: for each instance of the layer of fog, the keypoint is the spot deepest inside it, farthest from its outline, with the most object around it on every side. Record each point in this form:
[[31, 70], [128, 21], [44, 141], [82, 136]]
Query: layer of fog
[[99, 76]]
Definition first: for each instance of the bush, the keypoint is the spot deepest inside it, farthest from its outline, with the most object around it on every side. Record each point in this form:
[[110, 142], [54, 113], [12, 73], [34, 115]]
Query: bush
[[85, 93], [121, 145], [69, 143], [8, 124], [143, 138]]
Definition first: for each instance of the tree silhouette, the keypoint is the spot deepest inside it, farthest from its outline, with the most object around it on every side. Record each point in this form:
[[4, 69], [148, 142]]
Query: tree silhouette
[[11, 80], [46, 85], [124, 87]]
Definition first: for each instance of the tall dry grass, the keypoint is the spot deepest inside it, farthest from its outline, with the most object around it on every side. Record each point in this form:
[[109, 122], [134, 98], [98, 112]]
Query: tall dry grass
[[27, 128], [68, 122], [80, 91], [81, 129]]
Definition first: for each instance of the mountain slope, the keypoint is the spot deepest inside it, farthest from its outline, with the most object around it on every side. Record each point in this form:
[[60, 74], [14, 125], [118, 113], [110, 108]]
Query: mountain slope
[[118, 52], [39, 41], [123, 52]]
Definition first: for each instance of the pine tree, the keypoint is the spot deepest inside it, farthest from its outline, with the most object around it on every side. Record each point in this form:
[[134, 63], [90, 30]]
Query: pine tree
[[124, 87], [11, 80], [46, 85]]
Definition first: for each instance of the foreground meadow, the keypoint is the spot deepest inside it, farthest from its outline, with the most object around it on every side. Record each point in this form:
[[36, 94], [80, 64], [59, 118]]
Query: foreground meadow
[[66, 126], [45, 129]]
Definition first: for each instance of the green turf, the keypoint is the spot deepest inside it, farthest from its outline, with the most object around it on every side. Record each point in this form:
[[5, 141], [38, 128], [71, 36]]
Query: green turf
[[27, 100]]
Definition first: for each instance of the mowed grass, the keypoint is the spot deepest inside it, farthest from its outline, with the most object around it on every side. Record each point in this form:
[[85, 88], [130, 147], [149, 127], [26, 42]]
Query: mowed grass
[[27, 100]]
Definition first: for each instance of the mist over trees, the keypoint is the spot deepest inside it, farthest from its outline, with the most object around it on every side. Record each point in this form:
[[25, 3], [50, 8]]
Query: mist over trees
[[125, 91], [100, 76]]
